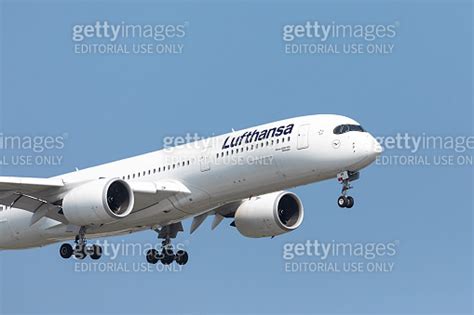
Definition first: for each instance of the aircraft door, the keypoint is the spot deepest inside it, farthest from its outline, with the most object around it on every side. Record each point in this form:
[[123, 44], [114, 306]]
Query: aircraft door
[[303, 137], [205, 161]]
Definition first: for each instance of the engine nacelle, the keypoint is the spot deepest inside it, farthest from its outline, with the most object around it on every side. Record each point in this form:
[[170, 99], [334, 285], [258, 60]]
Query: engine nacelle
[[269, 215], [97, 202]]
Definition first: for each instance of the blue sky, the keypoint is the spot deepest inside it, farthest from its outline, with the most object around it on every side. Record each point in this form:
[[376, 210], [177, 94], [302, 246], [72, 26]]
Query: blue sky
[[233, 73]]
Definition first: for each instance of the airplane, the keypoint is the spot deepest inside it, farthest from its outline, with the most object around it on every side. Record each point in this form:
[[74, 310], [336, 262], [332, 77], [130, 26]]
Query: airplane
[[243, 175]]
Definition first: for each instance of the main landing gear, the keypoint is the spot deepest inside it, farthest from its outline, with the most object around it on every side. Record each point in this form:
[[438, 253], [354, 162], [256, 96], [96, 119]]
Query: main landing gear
[[345, 178], [166, 254], [80, 250]]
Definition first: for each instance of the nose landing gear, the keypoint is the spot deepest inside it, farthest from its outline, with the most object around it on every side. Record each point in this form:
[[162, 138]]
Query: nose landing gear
[[345, 178]]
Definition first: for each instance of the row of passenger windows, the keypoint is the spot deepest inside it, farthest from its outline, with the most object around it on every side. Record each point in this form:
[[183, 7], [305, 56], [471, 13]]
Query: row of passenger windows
[[188, 162], [252, 147], [157, 170]]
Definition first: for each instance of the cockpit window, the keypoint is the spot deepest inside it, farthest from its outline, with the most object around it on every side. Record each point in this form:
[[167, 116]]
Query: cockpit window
[[346, 128]]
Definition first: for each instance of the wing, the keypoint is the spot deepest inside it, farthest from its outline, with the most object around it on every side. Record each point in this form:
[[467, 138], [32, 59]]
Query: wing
[[28, 184], [28, 193], [37, 195]]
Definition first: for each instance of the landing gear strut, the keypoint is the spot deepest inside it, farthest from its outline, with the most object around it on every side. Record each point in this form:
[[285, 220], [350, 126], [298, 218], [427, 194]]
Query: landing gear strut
[[80, 247], [345, 178], [80, 250], [166, 254]]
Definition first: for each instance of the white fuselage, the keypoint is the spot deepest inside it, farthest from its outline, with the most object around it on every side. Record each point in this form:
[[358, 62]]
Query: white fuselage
[[215, 172]]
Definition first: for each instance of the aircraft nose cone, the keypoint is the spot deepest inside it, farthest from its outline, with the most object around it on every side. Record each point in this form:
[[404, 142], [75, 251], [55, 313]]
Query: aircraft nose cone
[[374, 149], [378, 149]]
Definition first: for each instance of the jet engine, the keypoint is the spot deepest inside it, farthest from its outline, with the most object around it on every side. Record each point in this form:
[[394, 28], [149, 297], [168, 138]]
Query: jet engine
[[269, 215], [98, 202]]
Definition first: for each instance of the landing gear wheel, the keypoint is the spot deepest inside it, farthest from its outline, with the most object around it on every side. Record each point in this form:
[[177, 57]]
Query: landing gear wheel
[[181, 257], [66, 251], [167, 256], [95, 252], [350, 202], [152, 256], [342, 201], [80, 251]]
